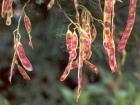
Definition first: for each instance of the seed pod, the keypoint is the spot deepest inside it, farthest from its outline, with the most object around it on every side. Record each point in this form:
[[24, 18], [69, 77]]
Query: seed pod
[[91, 67], [66, 72], [24, 60], [129, 26], [9, 16], [27, 24], [23, 73], [108, 41], [112, 59], [71, 40], [5, 7], [85, 45]]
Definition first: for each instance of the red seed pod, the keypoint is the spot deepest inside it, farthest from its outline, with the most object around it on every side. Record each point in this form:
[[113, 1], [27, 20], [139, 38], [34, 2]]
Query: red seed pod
[[91, 67], [66, 72], [24, 60], [129, 26], [23, 73], [112, 59], [86, 46], [73, 55], [72, 43], [5, 7], [9, 16], [71, 40], [108, 31], [27, 24]]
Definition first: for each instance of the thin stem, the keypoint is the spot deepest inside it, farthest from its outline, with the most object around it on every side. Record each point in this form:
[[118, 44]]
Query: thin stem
[[19, 21], [66, 14], [98, 20]]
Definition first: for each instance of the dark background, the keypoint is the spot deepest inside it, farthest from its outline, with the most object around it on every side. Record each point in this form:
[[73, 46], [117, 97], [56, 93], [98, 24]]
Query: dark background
[[49, 59]]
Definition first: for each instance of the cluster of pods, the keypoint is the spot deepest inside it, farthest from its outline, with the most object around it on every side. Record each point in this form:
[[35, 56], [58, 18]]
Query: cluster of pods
[[19, 53], [79, 40]]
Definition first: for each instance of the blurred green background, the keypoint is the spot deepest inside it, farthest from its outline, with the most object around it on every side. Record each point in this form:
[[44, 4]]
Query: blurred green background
[[49, 59]]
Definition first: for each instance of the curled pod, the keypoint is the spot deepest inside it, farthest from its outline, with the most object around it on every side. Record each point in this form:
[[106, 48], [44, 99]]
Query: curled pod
[[129, 26], [21, 54], [66, 72], [91, 67]]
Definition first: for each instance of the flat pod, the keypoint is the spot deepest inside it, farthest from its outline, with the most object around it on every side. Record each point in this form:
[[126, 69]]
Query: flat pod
[[24, 60], [23, 73], [27, 23]]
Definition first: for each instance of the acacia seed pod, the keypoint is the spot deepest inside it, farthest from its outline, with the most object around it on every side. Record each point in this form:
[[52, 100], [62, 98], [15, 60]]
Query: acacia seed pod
[[24, 60]]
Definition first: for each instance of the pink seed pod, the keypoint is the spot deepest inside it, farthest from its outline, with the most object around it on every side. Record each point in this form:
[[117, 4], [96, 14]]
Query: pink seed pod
[[24, 60], [112, 59], [91, 67], [5, 7], [129, 26], [27, 24], [71, 40], [108, 41], [73, 55], [110, 47], [66, 72], [86, 48], [23, 73]]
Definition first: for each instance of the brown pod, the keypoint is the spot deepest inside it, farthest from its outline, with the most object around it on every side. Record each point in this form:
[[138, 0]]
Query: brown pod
[[91, 67]]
